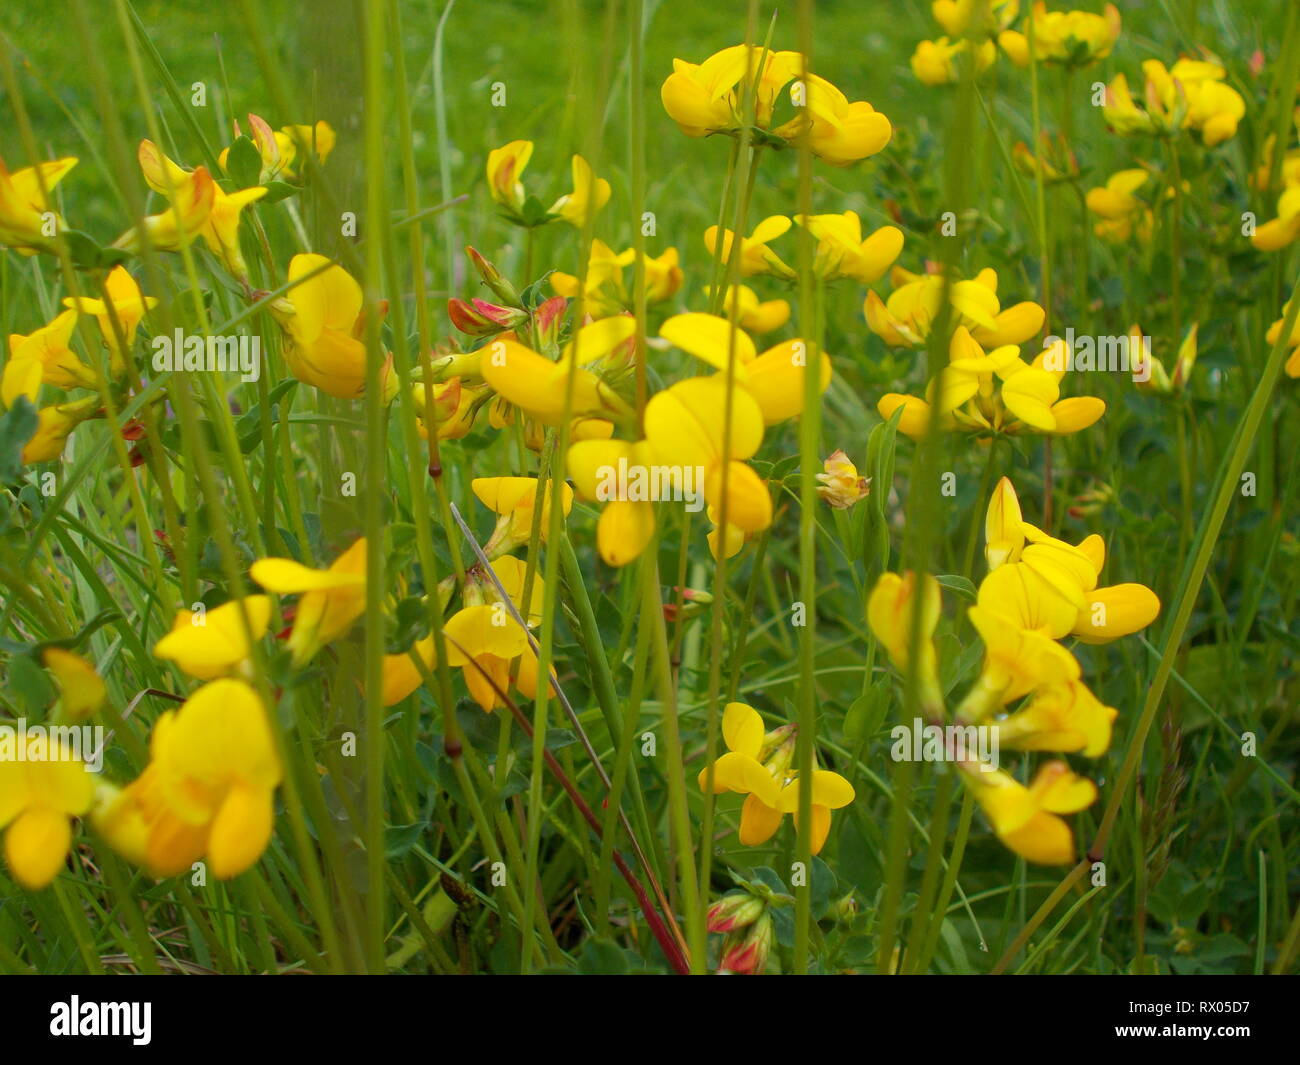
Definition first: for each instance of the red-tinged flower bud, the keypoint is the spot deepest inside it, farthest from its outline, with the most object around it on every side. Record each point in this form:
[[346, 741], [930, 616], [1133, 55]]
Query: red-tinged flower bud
[[133, 430], [735, 911], [547, 319], [480, 318], [748, 956]]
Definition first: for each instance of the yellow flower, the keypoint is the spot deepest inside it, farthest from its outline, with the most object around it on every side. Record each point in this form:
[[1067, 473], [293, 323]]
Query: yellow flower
[[493, 652], [219, 226], [1120, 212], [757, 765], [214, 642], [401, 675], [49, 346], [81, 689], [504, 167], [454, 406], [208, 790], [755, 256], [974, 18], [607, 291], [28, 223], [905, 319], [685, 427], [323, 324], [589, 195], [1025, 818], [1051, 586], [318, 139], [329, 600], [122, 301], [775, 379], [937, 62], [838, 132], [841, 486], [964, 397], [1064, 716], [514, 500], [1293, 341], [1189, 95], [1073, 38], [709, 97], [890, 609], [279, 149], [1281, 231], [751, 313], [42, 786], [625, 526], [841, 251], [1017, 661], [54, 425], [191, 206], [540, 387]]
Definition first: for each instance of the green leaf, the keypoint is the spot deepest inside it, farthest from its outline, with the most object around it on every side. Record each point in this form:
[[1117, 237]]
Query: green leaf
[[600, 957], [866, 713], [400, 839], [961, 585], [17, 426], [244, 163]]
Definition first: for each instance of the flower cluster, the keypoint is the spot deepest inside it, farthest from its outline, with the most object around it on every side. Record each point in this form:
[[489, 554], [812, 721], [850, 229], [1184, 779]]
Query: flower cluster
[[1039, 591]]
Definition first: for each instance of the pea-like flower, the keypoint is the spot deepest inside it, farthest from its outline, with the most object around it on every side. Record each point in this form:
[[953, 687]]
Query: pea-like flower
[[28, 223], [42, 787], [758, 765], [1065, 38], [122, 307], [840, 485], [213, 643], [323, 322], [1027, 819], [330, 600], [1190, 95], [906, 318], [940, 62], [208, 790], [842, 252], [505, 167], [987, 394]]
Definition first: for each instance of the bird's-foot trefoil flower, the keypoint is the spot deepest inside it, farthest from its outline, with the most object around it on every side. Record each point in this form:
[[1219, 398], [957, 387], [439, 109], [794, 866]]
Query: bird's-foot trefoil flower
[[330, 600]]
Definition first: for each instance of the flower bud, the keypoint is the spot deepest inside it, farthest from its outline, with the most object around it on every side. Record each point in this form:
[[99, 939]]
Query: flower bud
[[735, 911], [841, 486]]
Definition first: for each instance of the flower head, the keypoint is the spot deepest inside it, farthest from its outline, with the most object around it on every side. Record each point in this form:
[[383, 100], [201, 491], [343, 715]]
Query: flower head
[[208, 789], [330, 600], [42, 787], [324, 323], [28, 223]]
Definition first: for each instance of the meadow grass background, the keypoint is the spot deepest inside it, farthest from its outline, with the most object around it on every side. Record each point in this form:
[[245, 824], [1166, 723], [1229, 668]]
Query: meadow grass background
[[1209, 849]]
